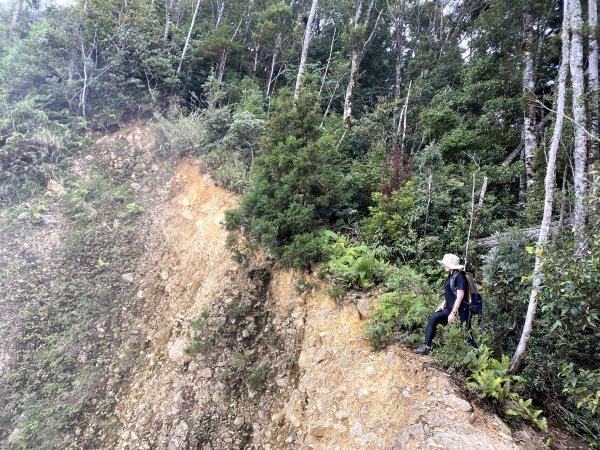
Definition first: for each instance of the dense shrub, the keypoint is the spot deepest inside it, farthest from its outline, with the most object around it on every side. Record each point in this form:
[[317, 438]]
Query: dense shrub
[[506, 294]]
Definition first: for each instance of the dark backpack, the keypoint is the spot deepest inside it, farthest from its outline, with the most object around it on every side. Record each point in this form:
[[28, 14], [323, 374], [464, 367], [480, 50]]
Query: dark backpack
[[473, 297]]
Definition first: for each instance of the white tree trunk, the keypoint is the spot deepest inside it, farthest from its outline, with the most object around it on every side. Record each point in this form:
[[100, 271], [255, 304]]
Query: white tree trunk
[[168, 8], [187, 40], [549, 193], [305, 45], [15, 18], [278, 42], [593, 76], [328, 62], [358, 52], [579, 116], [529, 135]]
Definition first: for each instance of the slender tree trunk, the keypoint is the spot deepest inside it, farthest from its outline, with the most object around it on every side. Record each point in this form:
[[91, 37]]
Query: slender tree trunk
[[593, 99], [529, 135], [15, 18], [399, 49], [305, 45], [593, 76], [278, 41], [579, 116], [187, 39], [358, 51], [221, 65], [328, 62], [168, 8], [549, 193]]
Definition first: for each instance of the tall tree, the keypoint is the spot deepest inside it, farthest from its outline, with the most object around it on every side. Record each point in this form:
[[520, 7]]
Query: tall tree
[[579, 115], [359, 46], [305, 45], [593, 76], [17, 6], [549, 192], [529, 134], [187, 39]]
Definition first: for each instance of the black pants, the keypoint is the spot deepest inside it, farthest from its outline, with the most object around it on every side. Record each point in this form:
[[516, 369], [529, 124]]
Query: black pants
[[440, 317]]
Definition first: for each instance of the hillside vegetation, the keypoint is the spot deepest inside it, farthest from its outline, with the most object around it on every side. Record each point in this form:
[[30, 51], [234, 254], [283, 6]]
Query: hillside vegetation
[[365, 138]]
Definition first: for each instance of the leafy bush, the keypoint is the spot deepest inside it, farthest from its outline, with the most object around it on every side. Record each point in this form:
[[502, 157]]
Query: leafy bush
[[404, 310], [355, 266], [455, 355], [259, 374], [506, 295], [184, 135]]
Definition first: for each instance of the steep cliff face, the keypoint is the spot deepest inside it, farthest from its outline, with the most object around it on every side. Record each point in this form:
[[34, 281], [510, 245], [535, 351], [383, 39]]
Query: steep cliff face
[[322, 386]]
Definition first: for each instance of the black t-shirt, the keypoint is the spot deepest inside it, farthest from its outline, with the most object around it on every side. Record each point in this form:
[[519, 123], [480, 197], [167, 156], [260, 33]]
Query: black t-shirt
[[460, 283]]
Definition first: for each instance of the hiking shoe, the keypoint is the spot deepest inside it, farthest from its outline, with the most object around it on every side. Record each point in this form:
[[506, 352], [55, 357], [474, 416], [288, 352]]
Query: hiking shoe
[[422, 350]]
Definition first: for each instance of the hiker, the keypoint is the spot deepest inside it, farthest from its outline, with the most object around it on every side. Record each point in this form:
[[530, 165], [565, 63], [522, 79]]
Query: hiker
[[454, 293]]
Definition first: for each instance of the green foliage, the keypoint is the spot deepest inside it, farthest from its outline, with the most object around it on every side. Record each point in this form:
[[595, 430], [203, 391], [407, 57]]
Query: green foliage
[[354, 266], [506, 295], [259, 374], [522, 409], [181, 136], [583, 386], [404, 310], [491, 379], [455, 355], [391, 223], [202, 334]]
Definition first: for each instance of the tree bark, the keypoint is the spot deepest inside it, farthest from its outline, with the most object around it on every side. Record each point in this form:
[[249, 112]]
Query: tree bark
[[278, 42], [358, 52], [398, 24], [579, 116], [593, 76], [328, 62], [187, 40], [549, 194], [305, 45], [168, 8], [15, 18], [529, 135]]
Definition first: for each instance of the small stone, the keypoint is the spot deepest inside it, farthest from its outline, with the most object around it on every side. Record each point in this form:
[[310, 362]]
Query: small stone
[[23, 216], [457, 403], [364, 308], [341, 415], [319, 430], [193, 366], [281, 382], [356, 429], [239, 421], [127, 277], [206, 373], [363, 395], [370, 371], [411, 433], [405, 392], [56, 187], [369, 437], [245, 334]]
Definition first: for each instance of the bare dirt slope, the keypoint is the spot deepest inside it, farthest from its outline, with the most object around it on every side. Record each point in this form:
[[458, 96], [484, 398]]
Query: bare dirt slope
[[324, 387]]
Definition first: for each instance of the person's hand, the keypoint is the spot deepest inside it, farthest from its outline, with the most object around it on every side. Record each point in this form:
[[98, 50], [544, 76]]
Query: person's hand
[[451, 317]]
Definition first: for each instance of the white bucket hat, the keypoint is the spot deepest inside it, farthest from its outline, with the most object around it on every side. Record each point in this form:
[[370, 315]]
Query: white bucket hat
[[451, 261]]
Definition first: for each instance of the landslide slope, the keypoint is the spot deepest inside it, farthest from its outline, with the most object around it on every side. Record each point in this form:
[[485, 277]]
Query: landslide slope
[[322, 386]]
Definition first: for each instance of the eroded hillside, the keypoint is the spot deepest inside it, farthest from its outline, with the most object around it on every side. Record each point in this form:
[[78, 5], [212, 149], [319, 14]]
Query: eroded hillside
[[195, 350]]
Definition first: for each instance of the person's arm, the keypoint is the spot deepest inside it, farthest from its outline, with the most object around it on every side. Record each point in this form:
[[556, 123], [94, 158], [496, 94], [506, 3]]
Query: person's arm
[[442, 306], [460, 294]]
